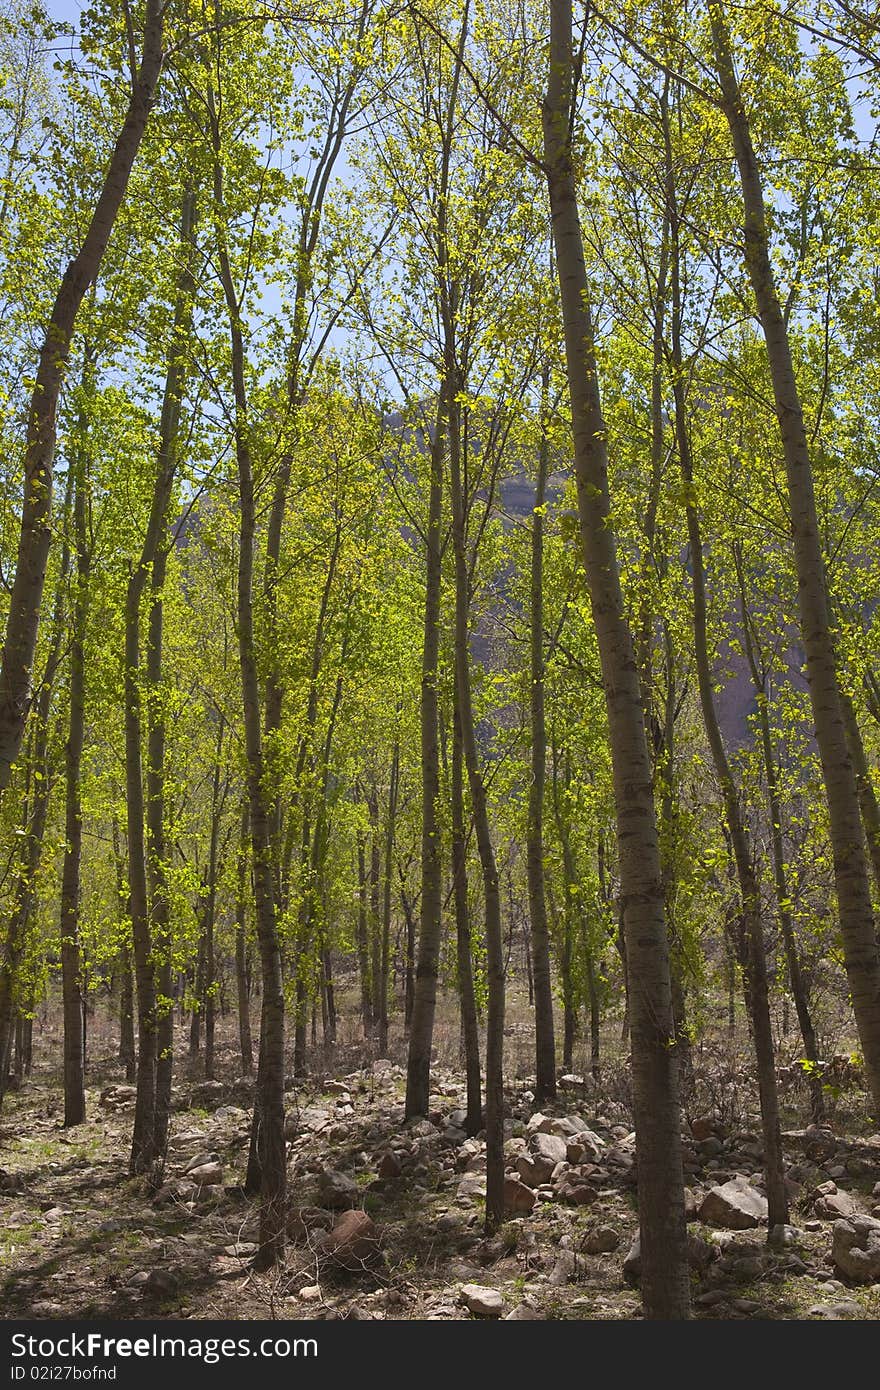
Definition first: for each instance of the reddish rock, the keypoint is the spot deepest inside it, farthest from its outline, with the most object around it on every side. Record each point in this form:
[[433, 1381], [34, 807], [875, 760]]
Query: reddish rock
[[354, 1241], [517, 1197], [389, 1166]]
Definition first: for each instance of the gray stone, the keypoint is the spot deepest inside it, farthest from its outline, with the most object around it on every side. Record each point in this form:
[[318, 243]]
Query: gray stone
[[855, 1249], [735, 1205], [601, 1241], [564, 1270], [524, 1312], [546, 1150], [482, 1302], [206, 1174], [338, 1190], [201, 1160]]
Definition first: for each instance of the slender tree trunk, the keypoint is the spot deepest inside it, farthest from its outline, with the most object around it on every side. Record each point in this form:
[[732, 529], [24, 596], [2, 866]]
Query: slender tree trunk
[[482, 828], [665, 1273], [211, 906], [268, 1124], [241, 976], [780, 881], [545, 1044], [469, 1024], [35, 534], [756, 959], [363, 947], [144, 812], [385, 954], [860, 948], [409, 978], [156, 850], [35, 809], [867, 795], [74, 1060], [375, 912], [127, 1052], [421, 1028], [195, 1022]]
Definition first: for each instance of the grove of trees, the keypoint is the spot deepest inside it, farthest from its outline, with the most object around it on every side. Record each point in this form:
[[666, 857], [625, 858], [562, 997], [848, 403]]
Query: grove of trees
[[438, 523]]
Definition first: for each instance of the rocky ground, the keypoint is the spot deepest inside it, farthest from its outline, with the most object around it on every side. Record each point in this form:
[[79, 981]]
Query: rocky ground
[[385, 1217]]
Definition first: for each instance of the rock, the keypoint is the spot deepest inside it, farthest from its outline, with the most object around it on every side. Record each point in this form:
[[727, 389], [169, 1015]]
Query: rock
[[207, 1094], [482, 1302], [200, 1161], [702, 1127], [517, 1197], [735, 1205], [242, 1249], [585, 1147], [700, 1256], [353, 1244], [710, 1147], [836, 1205], [389, 1166], [855, 1249], [337, 1190], [564, 1270], [472, 1185], [230, 1112], [524, 1312], [178, 1190], [112, 1096], [55, 1214], [301, 1221], [782, 1236], [574, 1189], [546, 1150], [206, 1175], [836, 1312], [161, 1283], [710, 1298], [601, 1241]]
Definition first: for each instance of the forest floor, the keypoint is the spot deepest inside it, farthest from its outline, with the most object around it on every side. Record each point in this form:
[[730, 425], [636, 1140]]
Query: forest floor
[[79, 1238]]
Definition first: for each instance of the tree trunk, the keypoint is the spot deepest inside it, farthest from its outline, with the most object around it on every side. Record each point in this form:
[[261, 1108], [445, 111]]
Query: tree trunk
[[241, 975], [74, 1060], [385, 954], [145, 846], [363, 945], [126, 1014], [211, 906], [469, 1026], [195, 1022], [35, 528], [545, 1044], [665, 1272], [755, 961], [482, 828], [861, 953], [867, 795], [421, 1030], [409, 978], [127, 1053], [780, 882], [268, 1122]]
